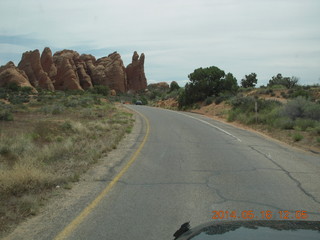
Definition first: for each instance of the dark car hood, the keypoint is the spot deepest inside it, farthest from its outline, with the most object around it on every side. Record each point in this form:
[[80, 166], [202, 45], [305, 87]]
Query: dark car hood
[[257, 230]]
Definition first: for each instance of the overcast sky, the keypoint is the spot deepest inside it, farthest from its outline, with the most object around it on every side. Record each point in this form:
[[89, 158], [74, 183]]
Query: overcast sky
[[177, 36]]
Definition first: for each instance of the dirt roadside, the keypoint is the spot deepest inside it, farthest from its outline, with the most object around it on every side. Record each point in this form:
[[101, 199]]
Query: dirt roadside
[[64, 205]]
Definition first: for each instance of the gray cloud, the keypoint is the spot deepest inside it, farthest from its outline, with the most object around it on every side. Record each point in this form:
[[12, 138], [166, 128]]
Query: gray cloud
[[177, 36]]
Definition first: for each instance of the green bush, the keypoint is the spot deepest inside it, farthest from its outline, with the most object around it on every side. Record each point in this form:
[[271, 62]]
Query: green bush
[[18, 99], [284, 95], [299, 93], [26, 90], [53, 109], [316, 130], [174, 86], [232, 115], [301, 108], [13, 86], [6, 115], [144, 100], [297, 137], [3, 93], [100, 89], [284, 123], [208, 101], [312, 111], [303, 123], [295, 108]]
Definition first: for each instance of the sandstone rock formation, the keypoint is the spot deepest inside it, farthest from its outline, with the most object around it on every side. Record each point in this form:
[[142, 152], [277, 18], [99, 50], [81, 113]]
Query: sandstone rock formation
[[31, 65], [9, 73], [135, 73], [111, 72], [84, 78], [68, 70], [67, 77], [47, 63], [159, 85]]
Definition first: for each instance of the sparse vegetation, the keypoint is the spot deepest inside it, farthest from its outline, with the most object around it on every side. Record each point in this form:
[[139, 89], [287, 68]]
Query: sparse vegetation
[[51, 141], [297, 137]]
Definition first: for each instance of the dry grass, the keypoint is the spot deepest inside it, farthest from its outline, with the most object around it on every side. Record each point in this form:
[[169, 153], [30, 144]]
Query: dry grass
[[40, 150]]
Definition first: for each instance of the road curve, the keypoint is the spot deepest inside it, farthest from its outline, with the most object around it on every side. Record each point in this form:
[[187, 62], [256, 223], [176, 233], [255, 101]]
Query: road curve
[[192, 165]]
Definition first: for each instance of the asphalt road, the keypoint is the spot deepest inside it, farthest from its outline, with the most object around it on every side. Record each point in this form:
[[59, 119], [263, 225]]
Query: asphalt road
[[191, 166]]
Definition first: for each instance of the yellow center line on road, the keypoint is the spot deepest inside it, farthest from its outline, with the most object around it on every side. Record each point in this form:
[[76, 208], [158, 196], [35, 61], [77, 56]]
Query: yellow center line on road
[[85, 212]]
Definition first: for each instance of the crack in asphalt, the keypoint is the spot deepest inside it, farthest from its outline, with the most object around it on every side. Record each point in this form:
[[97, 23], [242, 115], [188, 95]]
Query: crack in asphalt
[[217, 191], [299, 184]]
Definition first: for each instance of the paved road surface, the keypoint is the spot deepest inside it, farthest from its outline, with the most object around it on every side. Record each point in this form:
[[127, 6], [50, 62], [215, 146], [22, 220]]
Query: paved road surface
[[192, 165], [189, 166]]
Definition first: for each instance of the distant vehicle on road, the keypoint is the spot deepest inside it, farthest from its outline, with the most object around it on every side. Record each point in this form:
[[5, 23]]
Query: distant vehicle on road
[[138, 102]]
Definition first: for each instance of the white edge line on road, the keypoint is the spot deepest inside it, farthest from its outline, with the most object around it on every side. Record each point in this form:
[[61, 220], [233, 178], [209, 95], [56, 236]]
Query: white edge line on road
[[205, 122]]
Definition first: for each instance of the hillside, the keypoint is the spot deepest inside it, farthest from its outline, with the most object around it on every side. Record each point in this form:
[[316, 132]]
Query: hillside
[[289, 115]]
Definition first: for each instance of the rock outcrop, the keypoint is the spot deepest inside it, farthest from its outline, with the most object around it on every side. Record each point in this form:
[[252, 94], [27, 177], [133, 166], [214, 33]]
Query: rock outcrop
[[135, 73], [67, 70], [31, 65], [47, 63], [9, 73], [84, 78], [67, 77], [159, 85], [111, 72]]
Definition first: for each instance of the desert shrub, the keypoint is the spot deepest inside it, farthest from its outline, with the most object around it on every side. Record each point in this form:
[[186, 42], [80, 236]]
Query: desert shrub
[[6, 112], [173, 94], [144, 100], [26, 90], [52, 109], [3, 93], [278, 87], [208, 101], [6, 115], [247, 104], [295, 108], [264, 91], [100, 89], [243, 109], [284, 95], [299, 92], [316, 130], [312, 111], [283, 123], [269, 116], [18, 99], [297, 137], [232, 115], [13, 86], [303, 124], [174, 86], [80, 101], [301, 108]]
